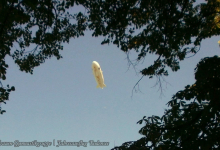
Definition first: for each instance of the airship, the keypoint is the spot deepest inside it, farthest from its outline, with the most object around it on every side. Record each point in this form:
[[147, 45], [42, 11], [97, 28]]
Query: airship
[[97, 72]]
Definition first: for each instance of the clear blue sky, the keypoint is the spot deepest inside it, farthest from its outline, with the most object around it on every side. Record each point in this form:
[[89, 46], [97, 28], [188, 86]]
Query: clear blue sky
[[60, 100]]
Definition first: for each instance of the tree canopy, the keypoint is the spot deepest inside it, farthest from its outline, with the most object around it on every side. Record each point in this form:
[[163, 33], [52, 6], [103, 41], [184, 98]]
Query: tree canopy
[[33, 31], [192, 122], [170, 29]]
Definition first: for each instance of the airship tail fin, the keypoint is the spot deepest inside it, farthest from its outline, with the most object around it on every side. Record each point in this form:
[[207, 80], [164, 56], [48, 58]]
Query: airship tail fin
[[100, 86]]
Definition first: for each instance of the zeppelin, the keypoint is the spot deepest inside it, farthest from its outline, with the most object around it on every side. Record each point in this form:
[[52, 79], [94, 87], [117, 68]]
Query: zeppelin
[[97, 72]]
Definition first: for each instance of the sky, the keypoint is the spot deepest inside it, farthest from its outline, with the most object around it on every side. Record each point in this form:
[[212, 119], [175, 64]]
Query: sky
[[60, 100]]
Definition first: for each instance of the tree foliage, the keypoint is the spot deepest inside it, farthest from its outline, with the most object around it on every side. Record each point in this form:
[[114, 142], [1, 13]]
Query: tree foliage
[[192, 122], [33, 31], [170, 29]]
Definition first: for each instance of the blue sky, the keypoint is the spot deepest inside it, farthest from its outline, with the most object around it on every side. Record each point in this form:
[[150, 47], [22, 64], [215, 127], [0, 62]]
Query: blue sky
[[60, 100]]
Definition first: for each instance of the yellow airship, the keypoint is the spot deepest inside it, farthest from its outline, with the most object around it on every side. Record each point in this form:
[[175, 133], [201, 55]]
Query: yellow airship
[[97, 72]]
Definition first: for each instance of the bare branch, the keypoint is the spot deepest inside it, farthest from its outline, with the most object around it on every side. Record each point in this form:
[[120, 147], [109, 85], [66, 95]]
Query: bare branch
[[159, 81], [137, 84], [130, 63], [1, 84], [195, 52]]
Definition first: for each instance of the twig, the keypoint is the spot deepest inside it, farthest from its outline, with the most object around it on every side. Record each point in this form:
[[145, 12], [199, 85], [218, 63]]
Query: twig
[[136, 85], [195, 52], [130, 63], [1, 83]]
